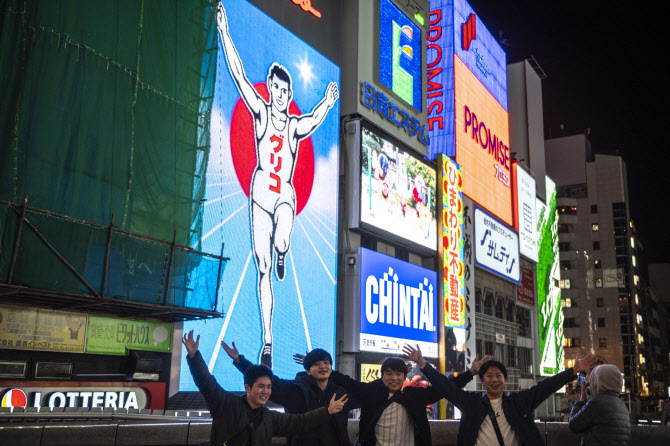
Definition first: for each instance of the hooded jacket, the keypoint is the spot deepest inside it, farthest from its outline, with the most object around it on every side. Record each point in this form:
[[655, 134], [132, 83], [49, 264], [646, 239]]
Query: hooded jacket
[[301, 395], [232, 413], [603, 419]]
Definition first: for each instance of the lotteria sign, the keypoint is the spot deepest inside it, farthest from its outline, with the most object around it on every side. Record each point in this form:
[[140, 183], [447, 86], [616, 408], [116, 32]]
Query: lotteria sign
[[120, 397], [398, 305]]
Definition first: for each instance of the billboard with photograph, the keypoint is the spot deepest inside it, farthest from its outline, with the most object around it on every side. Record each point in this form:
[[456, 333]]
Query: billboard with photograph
[[525, 222], [398, 305], [398, 191], [548, 292], [274, 130], [496, 246]]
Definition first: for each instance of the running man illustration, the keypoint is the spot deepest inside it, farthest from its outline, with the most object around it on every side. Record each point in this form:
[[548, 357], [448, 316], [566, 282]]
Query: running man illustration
[[272, 196]]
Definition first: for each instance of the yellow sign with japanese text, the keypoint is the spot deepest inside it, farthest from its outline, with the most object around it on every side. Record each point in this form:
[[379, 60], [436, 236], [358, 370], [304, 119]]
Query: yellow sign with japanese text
[[38, 329], [370, 372]]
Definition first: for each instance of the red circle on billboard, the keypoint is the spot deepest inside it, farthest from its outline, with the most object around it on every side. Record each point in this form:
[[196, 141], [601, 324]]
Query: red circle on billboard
[[14, 398], [243, 151]]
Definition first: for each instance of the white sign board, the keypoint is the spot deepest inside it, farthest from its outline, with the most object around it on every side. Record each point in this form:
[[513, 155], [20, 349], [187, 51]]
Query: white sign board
[[496, 246], [526, 212]]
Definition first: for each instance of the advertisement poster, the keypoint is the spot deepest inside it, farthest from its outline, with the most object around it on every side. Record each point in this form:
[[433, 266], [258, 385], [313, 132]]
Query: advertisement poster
[[526, 290], [112, 336], [398, 305], [271, 197], [496, 246], [397, 191], [527, 226], [26, 328], [548, 292]]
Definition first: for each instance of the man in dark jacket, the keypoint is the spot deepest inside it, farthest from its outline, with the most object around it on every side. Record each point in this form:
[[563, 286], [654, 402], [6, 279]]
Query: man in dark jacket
[[512, 413], [391, 415], [309, 390], [245, 421]]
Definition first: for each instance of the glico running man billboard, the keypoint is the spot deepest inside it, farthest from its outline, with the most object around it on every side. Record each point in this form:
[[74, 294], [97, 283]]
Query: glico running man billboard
[[275, 128], [548, 292], [398, 305]]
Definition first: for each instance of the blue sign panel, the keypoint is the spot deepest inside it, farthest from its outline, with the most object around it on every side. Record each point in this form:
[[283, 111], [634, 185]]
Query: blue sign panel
[[400, 54], [398, 305], [274, 130], [455, 29]]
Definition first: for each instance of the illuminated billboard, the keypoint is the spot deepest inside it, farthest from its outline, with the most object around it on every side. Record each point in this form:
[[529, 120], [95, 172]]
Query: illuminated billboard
[[548, 292], [274, 129], [482, 145], [453, 244], [455, 31], [525, 222], [397, 191], [496, 246], [398, 305], [400, 52]]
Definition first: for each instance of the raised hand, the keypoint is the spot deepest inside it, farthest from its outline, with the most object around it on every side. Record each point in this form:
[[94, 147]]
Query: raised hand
[[414, 354], [332, 94], [477, 364], [191, 345], [584, 392], [584, 364], [337, 405], [299, 359], [232, 352]]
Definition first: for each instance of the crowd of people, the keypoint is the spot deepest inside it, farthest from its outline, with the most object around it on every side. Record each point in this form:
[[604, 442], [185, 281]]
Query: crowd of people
[[317, 401]]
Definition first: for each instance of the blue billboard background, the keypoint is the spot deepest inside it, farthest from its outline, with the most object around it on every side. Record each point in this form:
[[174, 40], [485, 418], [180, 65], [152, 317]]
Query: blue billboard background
[[305, 301], [389, 276]]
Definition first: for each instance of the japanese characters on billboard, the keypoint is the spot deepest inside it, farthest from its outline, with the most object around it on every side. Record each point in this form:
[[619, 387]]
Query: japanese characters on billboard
[[274, 129], [113, 336], [453, 242], [398, 305], [40, 329], [470, 322], [455, 32], [482, 145], [398, 193], [525, 292], [496, 246], [548, 292], [525, 222]]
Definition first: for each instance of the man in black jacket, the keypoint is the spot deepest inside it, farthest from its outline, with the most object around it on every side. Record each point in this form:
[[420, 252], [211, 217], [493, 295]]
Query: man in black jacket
[[245, 421], [308, 391], [499, 418], [391, 415]]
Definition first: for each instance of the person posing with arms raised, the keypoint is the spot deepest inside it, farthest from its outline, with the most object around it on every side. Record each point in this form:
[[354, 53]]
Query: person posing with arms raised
[[245, 421], [604, 419], [309, 390], [503, 419], [391, 415]]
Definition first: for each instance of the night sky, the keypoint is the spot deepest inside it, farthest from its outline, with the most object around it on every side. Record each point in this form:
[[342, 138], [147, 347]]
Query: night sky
[[604, 62]]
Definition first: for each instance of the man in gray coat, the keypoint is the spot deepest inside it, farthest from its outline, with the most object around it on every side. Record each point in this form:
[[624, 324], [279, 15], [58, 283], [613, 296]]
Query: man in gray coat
[[603, 419], [244, 420]]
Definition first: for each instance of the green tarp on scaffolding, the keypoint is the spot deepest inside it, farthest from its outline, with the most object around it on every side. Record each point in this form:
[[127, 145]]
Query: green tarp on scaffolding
[[105, 110]]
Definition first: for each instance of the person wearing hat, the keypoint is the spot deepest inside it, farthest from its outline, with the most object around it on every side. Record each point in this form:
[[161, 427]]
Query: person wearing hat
[[499, 418], [604, 418]]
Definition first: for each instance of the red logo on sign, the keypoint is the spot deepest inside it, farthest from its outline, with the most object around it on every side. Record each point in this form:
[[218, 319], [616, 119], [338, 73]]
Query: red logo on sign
[[469, 31], [14, 398]]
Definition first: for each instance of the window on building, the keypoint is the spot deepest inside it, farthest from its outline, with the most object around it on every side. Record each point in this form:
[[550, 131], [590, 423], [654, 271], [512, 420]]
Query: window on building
[[511, 356], [596, 263], [600, 302], [570, 322], [572, 342], [368, 242], [566, 302], [402, 254], [566, 210], [523, 321], [564, 228], [564, 284], [601, 322], [602, 342], [478, 300], [488, 304], [499, 308], [595, 227], [511, 311], [488, 348], [596, 246], [564, 246], [594, 208], [478, 347], [599, 283], [565, 264], [525, 361]]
